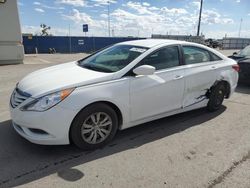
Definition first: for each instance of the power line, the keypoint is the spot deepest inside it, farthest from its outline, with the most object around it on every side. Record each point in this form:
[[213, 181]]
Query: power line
[[108, 17]]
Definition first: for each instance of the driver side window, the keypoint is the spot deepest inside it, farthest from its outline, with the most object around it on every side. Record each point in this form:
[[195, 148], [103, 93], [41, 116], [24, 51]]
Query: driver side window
[[162, 59]]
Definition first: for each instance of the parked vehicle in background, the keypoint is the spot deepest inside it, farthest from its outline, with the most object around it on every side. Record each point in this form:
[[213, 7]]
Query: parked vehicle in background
[[11, 48], [212, 43], [243, 59], [130, 83]]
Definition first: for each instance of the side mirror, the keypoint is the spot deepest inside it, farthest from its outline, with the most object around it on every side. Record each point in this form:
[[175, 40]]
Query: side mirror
[[144, 70], [235, 53]]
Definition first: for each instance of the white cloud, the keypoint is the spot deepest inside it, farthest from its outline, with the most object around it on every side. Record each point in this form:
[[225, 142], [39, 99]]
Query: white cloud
[[30, 29], [213, 17], [104, 16], [76, 3], [103, 2], [237, 1], [135, 18], [146, 4], [174, 11], [41, 5], [152, 8], [79, 17], [140, 8], [39, 10], [139, 18], [98, 27], [52, 7], [37, 3]]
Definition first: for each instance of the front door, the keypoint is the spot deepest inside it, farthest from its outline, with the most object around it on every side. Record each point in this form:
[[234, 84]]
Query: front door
[[161, 92]]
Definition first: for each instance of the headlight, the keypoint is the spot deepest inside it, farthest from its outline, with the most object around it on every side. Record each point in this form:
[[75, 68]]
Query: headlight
[[46, 102]]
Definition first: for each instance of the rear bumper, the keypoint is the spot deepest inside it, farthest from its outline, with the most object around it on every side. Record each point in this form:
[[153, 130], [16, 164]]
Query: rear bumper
[[244, 74], [244, 79]]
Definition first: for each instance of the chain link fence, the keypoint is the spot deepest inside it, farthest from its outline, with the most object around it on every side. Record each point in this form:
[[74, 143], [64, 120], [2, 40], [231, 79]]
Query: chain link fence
[[235, 43]]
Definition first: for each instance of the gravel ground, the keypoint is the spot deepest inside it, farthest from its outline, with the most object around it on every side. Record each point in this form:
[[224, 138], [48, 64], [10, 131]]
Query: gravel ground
[[193, 149]]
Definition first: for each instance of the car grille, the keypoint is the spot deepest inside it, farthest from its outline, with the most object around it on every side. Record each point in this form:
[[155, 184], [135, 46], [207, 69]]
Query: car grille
[[18, 97]]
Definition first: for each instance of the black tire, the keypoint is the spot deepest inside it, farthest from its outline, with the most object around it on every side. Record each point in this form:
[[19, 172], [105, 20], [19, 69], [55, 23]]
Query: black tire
[[77, 126], [216, 97]]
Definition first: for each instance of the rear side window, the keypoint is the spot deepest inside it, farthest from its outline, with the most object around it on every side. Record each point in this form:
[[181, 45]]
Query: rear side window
[[162, 59], [214, 57], [193, 55]]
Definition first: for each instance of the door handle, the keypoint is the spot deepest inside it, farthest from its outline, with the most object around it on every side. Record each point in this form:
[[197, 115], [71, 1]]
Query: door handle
[[213, 67], [177, 77]]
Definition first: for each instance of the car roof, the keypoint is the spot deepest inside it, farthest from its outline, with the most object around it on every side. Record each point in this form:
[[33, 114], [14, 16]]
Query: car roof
[[149, 43]]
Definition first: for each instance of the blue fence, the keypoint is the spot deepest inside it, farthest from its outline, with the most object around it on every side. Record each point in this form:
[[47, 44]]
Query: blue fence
[[63, 44]]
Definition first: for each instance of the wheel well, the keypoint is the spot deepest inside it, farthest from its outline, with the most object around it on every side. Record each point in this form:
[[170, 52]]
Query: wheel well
[[112, 105], [116, 109], [226, 84], [228, 88]]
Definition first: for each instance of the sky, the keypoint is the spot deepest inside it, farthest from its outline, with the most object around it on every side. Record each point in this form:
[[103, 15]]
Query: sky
[[138, 18]]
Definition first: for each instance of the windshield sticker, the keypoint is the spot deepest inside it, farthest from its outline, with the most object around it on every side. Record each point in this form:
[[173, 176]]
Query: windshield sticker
[[141, 50]]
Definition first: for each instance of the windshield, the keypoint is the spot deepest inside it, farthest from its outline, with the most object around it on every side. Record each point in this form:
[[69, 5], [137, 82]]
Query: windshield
[[245, 51], [112, 59]]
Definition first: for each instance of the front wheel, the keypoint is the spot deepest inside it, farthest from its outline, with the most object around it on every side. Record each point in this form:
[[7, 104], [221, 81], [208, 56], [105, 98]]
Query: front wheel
[[94, 127], [216, 98]]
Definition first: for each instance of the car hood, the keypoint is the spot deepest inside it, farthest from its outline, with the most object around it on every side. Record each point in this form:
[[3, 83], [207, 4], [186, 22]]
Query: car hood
[[60, 77]]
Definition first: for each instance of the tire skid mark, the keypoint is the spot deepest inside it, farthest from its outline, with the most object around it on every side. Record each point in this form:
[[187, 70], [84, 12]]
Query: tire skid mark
[[42, 168], [235, 164]]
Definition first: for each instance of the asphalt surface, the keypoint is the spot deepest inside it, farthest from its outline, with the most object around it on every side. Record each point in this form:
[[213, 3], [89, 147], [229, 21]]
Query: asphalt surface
[[193, 149]]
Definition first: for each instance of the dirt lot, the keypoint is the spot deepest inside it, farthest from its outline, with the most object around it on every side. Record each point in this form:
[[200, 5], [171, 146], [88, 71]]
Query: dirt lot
[[193, 149]]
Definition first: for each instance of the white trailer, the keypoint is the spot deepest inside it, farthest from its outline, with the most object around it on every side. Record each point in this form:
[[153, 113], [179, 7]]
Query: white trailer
[[11, 48]]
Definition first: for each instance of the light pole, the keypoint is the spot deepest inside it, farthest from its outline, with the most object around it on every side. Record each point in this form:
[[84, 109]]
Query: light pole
[[108, 18], [240, 26], [199, 23]]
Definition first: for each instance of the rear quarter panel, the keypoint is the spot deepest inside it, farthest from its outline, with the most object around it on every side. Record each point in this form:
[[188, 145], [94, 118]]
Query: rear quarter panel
[[227, 73]]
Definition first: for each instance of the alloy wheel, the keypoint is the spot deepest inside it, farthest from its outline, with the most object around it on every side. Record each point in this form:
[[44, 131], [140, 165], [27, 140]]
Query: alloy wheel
[[96, 128]]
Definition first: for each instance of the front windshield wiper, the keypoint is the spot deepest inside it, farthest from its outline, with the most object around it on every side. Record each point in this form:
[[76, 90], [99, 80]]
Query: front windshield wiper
[[95, 68]]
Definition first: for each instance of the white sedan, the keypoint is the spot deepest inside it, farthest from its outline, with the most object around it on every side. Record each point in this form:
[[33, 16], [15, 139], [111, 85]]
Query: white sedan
[[130, 83]]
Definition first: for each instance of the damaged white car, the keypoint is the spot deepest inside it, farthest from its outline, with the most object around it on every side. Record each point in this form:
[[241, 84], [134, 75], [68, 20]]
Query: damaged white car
[[129, 83]]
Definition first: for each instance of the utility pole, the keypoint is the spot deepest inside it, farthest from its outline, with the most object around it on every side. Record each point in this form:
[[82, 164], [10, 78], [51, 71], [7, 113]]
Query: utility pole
[[199, 23], [240, 26], [108, 18]]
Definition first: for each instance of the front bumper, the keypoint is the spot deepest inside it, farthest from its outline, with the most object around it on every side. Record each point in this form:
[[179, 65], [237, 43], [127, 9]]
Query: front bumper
[[46, 128]]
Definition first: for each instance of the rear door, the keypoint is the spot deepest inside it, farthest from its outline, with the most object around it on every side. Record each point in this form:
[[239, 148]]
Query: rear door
[[201, 73], [159, 93]]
